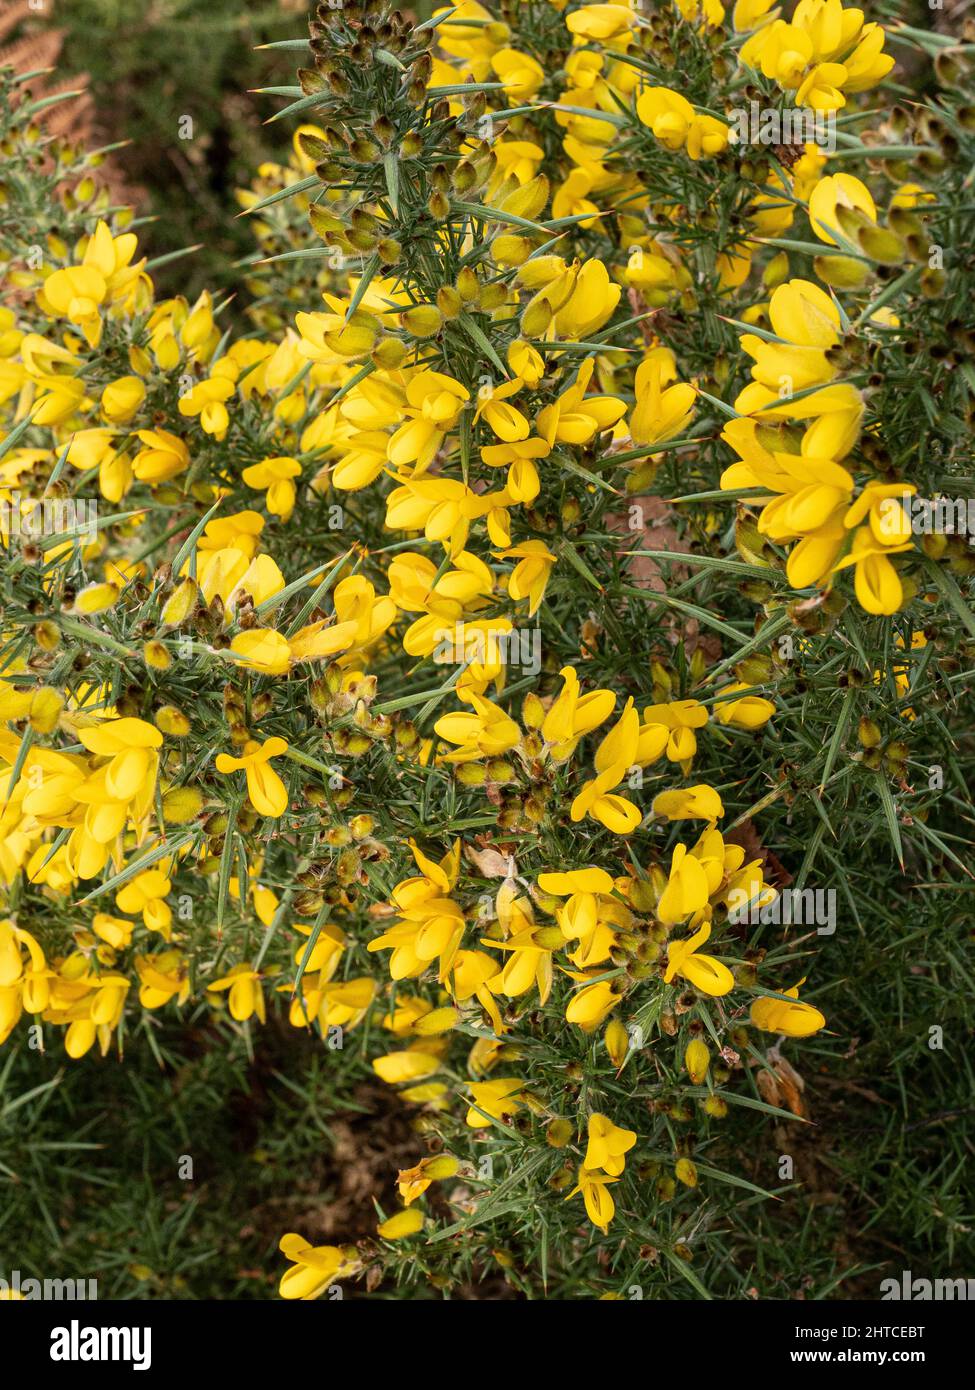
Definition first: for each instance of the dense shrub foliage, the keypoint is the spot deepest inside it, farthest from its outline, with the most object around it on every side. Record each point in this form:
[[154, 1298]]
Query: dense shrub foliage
[[526, 646]]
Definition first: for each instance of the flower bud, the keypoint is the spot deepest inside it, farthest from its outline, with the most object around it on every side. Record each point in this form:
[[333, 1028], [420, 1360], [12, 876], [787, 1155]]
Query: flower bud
[[696, 1059], [422, 321], [95, 598], [500, 770], [470, 774], [308, 903], [449, 302], [180, 603], [182, 804], [169, 720], [389, 353], [558, 1133], [492, 297], [869, 733], [47, 636], [156, 656], [510, 250], [465, 177], [532, 711], [617, 1042]]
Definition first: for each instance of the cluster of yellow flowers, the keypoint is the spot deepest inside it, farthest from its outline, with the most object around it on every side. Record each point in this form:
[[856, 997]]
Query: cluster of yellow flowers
[[436, 403]]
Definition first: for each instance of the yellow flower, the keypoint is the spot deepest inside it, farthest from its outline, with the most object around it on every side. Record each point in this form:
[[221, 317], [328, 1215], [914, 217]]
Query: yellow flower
[[747, 712], [162, 977], [822, 52], [571, 200], [336, 336], [591, 880], [208, 397], [96, 598], [475, 975], [263, 649], [77, 294], [487, 733], [146, 893], [129, 745], [591, 1005], [32, 975], [531, 576], [615, 755], [246, 994], [887, 532], [165, 456], [500, 1099], [412, 1065], [362, 459], [617, 1041], [696, 1060], [522, 483], [832, 202], [687, 889], [324, 638], [404, 1223], [571, 714], [530, 962], [600, 1207], [266, 650], [700, 802], [275, 474], [576, 302], [685, 1170], [521, 74], [314, 1269], [443, 508], [104, 277], [677, 125], [662, 411], [705, 973], [433, 403], [506, 421], [115, 930], [102, 1014], [709, 13], [680, 718], [122, 398], [524, 360], [607, 1145], [517, 160], [266, 791], [795, 1020], [413, 1182], [751, 14], [601, 21]]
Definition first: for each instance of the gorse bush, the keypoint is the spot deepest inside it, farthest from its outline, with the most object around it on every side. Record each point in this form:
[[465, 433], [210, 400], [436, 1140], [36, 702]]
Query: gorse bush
[[531, 643]]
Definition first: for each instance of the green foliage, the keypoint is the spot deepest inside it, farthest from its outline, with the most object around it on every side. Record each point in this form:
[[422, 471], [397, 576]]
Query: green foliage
[[821, 1165], [152, 63]]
